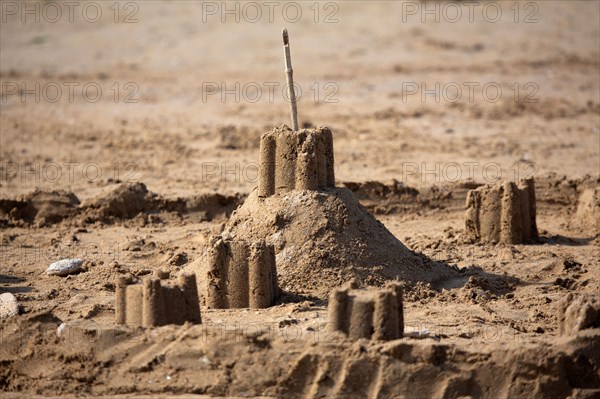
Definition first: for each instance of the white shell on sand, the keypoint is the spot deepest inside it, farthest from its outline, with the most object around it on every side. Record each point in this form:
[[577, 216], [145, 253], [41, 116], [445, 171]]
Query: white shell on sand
[[8, 305], [64, 267], [60, 329]]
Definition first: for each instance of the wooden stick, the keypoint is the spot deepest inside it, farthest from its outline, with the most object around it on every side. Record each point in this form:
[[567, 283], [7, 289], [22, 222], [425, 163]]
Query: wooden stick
[[290, 80]]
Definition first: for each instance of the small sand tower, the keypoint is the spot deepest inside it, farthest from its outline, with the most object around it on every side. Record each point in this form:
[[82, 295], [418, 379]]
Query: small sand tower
[[376, 314], [153, 303], [241, 275], [502, 213], [291, 160]]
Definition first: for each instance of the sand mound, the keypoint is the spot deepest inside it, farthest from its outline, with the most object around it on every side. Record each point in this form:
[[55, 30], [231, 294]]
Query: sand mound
[[324, 238], [122, 202], [126, 201], [40, 207]]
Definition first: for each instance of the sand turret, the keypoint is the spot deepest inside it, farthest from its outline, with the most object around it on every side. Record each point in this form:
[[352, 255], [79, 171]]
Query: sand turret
[[372, 313], [301, 160], [238, 274], [153, 303], [504, 212]]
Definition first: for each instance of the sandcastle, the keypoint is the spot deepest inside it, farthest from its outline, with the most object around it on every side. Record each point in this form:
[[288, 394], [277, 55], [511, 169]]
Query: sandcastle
[[502, 213], [290, 160], [318, 231], [372, 313], [152, 304], [240, 274]]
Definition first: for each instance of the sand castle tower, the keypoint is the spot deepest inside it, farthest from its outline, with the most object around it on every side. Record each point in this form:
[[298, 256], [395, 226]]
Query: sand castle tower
[[152, 303], [321, 235], [371, 314], [240, 275], [504, 212], [291, 160]]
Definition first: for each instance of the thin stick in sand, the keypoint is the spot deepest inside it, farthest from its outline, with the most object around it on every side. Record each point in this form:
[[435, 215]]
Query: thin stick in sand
[[290, 80]]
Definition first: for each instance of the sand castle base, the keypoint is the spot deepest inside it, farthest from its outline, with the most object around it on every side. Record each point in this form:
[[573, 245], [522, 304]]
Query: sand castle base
[[325, 238]]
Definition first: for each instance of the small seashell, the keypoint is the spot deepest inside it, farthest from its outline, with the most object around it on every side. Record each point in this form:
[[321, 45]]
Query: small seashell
[[64, 267]]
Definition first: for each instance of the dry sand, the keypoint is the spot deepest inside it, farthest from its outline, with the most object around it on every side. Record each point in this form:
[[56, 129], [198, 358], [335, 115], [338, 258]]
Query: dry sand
[[135, 187]]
